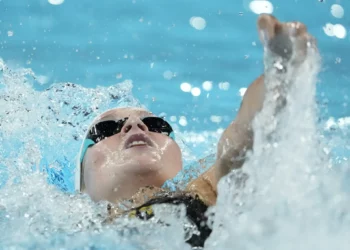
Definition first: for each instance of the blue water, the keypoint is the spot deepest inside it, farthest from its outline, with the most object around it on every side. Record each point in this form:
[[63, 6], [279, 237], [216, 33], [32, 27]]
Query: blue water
[[102, 47], [86, 42]]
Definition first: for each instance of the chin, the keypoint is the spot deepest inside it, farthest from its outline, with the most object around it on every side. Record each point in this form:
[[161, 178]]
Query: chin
[[144, 163]]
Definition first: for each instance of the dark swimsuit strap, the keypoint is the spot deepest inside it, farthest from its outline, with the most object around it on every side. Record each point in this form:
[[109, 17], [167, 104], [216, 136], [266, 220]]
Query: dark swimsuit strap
[[195, 212]]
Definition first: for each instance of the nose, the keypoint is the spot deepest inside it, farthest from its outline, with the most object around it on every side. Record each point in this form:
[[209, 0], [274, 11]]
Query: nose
[[134, 124]]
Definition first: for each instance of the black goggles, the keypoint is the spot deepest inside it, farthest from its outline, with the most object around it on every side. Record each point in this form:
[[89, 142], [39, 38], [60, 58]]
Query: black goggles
[[109, 128]]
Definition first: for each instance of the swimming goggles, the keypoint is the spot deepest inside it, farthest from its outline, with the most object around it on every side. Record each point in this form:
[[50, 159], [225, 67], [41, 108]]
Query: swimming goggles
[[105, 129], [109, 128]]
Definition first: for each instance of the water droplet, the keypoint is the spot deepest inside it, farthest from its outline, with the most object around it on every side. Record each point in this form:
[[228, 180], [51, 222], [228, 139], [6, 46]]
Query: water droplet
[[224, 85], [195, 91], [207, 85], [261, 6], [198, 23], [278, 66], [339, 31], [337, 11], [55, 2], [168, 75], [185, 87], [183, 121]]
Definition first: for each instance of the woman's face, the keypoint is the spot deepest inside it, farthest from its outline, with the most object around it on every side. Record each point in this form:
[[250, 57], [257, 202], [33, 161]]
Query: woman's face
[[117, 166]]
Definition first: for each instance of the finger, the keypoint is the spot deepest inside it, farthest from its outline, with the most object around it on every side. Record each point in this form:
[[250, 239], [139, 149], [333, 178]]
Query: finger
[[296, 29], [311, 42], [267, 27]]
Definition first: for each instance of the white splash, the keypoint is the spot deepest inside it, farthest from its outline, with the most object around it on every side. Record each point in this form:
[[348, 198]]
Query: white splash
[[242, 91], [286, 196], [341, 123]]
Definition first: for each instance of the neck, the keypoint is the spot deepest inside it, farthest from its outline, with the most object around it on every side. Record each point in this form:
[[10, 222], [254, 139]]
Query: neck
[[129, 187]]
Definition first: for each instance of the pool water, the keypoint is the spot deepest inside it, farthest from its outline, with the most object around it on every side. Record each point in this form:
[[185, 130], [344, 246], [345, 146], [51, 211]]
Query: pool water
[[63, 62]]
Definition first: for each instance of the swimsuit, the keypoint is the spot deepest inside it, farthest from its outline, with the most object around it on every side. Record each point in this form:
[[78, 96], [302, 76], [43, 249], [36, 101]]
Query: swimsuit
[[195, 213]]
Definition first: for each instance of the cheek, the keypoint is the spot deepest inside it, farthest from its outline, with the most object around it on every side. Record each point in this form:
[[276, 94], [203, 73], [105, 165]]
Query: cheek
[[98, 176], [96, 167], [170, 151], [175, 154], [172, 160], [100, 153], [93, 169], [95, 158]]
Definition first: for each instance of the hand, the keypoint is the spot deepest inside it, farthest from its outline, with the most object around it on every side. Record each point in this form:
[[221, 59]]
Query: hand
[[290, 41]]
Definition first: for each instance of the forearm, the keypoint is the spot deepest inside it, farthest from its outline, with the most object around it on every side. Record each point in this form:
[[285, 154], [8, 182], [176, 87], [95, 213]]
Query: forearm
[[237, 138], [235, 141], [268, 91], [233, 144]]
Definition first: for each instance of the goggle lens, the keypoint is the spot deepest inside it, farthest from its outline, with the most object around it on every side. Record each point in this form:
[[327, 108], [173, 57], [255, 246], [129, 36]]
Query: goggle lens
[[106, 129]]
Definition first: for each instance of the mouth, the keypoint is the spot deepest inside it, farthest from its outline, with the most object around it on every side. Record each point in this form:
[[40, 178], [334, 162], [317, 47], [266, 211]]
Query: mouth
[[138, 140]]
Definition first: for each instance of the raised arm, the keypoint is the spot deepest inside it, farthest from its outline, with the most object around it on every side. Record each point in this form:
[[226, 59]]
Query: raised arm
[[233, 144], [284, 43]]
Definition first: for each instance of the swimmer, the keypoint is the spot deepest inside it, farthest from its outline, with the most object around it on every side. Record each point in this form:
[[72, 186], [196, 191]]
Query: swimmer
[[129, 153]]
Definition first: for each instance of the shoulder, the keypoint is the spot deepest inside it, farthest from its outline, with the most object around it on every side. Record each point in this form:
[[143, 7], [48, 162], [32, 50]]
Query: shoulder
[[204, 187]]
